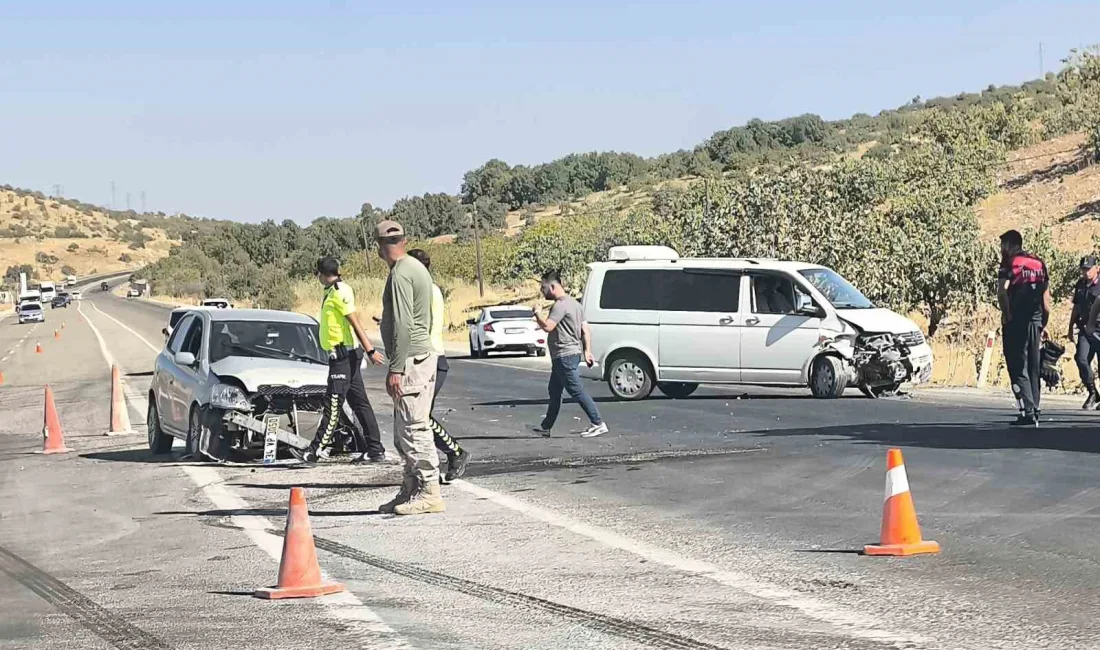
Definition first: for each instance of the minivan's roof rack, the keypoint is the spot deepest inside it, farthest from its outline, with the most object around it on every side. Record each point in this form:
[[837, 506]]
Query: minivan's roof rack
[[639, 253]]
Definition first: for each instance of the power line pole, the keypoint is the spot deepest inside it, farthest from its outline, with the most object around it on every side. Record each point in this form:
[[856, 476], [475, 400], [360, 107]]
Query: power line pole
[[112, 195], [1042, 68], [56, 191], [127, 201], [143, 201], [477, 251]]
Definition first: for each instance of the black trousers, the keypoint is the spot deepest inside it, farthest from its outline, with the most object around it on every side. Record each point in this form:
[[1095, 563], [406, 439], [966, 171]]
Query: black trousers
[[345, 383], [443, 440], [1022, 346], [1087, 349]]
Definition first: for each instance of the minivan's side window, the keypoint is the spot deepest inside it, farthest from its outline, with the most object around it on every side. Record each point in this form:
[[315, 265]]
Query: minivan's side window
[[671, 290], [776, 294], [631, 289], [175, 342], [707, 291]]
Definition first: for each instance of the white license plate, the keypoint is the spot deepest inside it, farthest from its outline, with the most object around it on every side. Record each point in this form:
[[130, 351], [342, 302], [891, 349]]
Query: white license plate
[[514, 330]]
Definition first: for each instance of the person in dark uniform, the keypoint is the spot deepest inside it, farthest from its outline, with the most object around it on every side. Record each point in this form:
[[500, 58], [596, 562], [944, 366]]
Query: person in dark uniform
[[1085, 293], [1023, 292]]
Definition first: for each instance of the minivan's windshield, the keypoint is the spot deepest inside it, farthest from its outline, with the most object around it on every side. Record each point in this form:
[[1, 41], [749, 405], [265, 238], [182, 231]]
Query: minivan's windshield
[[839, 291], [257, 339]]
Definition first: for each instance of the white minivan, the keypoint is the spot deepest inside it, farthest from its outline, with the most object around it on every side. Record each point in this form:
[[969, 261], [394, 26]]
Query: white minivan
[[661, 321]]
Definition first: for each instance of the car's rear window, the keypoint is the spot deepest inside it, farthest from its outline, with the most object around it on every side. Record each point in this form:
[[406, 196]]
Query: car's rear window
[[175, 318], [505, 314], [30, 308]]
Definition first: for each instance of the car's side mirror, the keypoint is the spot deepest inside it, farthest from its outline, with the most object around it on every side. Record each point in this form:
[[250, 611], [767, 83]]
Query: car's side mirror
[[472, 321], [811, 310], [185, 359], [165, 332]]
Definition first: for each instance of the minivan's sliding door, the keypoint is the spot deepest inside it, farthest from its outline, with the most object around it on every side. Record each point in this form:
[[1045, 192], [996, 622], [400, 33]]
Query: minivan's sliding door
[[700, 328]]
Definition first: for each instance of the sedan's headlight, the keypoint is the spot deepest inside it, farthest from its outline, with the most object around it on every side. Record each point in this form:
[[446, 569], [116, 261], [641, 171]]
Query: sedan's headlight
[[224, 396]]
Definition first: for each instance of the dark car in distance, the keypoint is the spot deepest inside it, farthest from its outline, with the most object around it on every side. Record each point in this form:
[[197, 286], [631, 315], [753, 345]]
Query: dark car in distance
[[61, 300]]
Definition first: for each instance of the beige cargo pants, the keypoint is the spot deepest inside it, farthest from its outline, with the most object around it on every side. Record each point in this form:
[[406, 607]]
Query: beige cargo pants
[[412, 434]]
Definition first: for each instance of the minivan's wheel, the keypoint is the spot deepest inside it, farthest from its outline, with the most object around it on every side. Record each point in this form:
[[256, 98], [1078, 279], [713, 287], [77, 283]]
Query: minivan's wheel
[[630, 378], [540, 352], [828, 378], [194, 430], [159, 441], [677, 389]]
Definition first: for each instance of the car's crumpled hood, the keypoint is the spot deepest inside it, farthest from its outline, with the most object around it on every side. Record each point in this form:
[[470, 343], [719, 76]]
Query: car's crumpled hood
[[878, 321], [254, 373]]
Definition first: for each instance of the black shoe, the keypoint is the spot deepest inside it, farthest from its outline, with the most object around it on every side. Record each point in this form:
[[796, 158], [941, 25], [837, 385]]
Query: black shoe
[[1026, 421], [456, 465], [307, 456], [1092, 402]]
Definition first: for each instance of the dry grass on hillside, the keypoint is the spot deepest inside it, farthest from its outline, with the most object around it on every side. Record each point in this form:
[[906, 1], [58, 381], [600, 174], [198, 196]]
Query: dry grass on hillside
[[95, 252], [1053, 184]]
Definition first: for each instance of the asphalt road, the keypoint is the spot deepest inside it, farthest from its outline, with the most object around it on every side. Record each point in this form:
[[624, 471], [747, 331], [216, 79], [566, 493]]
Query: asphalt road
[[731, 519]]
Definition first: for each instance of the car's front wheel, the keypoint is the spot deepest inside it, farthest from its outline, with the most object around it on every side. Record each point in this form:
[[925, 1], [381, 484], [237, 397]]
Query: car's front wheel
[[630, 378], [828, 378], [159, 441]]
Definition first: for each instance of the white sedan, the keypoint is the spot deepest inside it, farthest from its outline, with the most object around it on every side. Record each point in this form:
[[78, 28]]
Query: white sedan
[[506, 328], [76, 295]]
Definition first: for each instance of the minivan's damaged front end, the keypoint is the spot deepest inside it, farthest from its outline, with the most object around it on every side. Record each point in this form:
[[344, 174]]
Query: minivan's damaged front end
[[879, 363]]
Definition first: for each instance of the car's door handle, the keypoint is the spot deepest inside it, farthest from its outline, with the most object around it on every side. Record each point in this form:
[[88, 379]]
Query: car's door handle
[[725, 320], [752, 320]]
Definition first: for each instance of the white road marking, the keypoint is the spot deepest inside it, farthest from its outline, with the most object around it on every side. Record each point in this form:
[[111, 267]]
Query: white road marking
[[346, 607], [371, 632], [126, 327], [853, 624]]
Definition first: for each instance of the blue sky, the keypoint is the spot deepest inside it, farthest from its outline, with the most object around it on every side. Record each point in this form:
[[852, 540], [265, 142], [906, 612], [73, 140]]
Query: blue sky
[[254, 110]]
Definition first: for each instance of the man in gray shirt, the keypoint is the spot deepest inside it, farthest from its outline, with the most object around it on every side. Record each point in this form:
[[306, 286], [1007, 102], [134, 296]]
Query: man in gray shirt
[[568, 340]]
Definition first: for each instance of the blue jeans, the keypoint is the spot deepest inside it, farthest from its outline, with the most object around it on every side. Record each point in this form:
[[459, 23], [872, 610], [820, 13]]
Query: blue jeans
[[565, 376]]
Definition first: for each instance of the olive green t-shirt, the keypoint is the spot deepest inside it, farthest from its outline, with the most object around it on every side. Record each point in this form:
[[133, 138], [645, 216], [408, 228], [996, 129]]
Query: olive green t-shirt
[[407, 312]]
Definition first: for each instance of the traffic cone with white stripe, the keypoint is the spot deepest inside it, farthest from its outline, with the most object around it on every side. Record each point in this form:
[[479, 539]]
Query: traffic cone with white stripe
[[900, 531], [120, 419]]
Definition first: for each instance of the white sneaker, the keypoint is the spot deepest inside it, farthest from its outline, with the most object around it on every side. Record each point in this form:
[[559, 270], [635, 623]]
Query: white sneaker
[[595, 430]]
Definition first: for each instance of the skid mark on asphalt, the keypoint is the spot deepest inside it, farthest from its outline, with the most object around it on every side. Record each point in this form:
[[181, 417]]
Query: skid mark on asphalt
[[113, 629], [611, 625], [493, 467], [345, 607], [852, 624]]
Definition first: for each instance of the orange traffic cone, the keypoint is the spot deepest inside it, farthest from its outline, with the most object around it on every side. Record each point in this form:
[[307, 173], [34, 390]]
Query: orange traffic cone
[[299, 572], [51, 428], [38, 348], [120, 419], [1, 379], [900, 531]]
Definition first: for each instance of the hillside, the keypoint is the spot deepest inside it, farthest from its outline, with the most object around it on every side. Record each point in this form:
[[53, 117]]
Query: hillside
[[53, 236], [1055, 185]]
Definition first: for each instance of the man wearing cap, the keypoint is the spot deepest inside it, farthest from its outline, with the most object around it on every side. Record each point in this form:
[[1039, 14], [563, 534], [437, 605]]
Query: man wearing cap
[[406, 333], [338, 330], [1085, 293]]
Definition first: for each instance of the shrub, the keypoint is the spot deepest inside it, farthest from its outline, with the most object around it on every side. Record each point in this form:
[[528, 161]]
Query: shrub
[[125, 258], [45, 258], [73, 247]]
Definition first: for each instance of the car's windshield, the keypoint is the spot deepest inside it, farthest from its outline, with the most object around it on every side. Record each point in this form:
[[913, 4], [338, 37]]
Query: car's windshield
[[264, 340], [505, 314], [839, 291]]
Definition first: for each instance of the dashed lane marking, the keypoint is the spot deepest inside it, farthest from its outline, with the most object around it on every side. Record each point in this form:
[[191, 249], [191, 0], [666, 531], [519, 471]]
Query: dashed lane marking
[[110, 627], [852, 624]]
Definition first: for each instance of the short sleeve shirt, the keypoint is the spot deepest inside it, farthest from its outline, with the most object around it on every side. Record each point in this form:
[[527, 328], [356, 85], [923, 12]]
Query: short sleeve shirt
[[565, 340], [1028, 280], [335, 329]]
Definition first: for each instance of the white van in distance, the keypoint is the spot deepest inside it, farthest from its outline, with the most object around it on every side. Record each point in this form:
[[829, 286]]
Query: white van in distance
[[661, 321]]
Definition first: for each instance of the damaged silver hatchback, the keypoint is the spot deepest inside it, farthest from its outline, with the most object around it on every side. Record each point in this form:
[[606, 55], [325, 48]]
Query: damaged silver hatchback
[[239, 384]]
